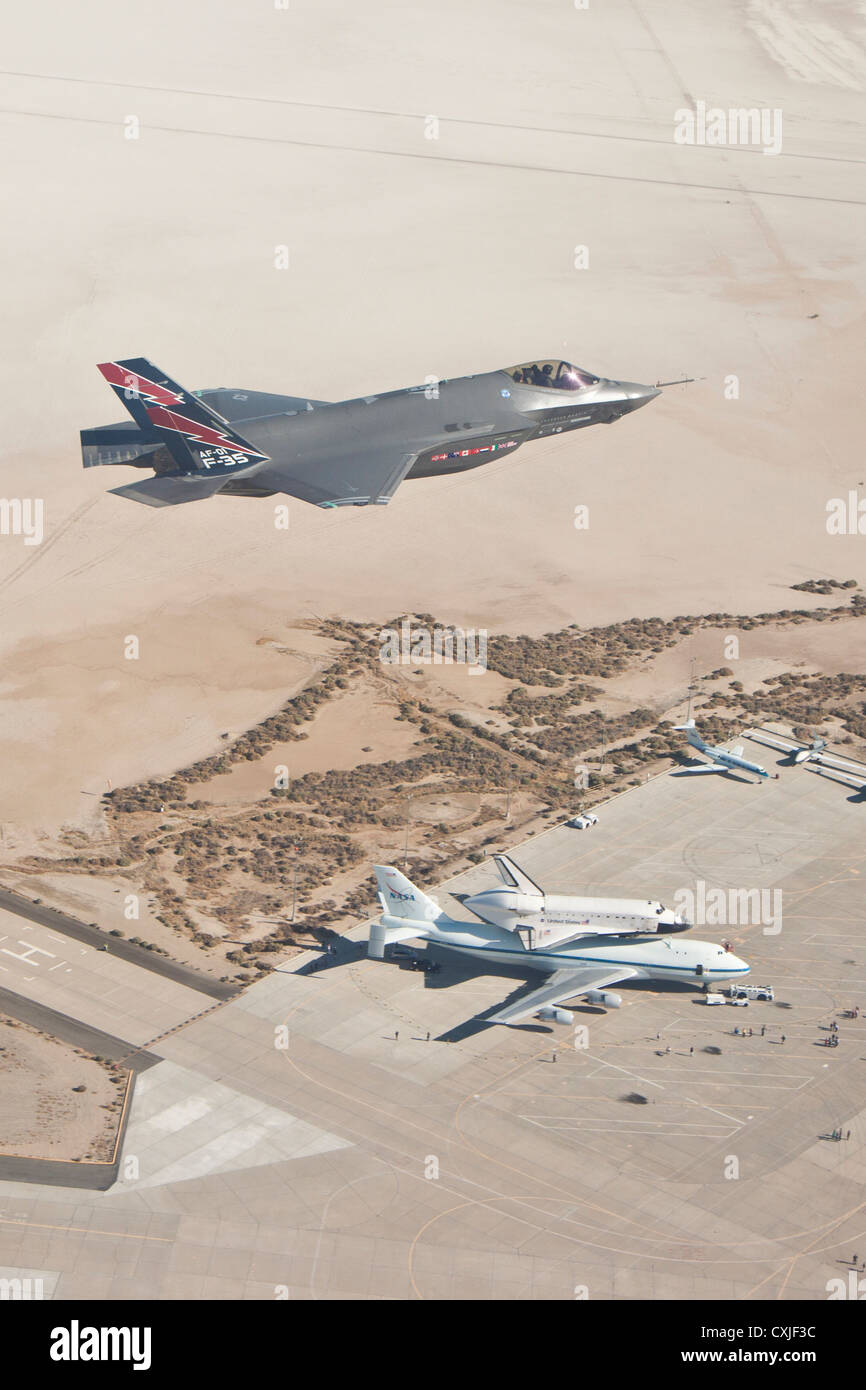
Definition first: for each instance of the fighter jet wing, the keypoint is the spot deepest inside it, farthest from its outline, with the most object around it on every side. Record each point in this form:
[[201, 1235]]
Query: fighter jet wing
[[365, 475], [563, 984]]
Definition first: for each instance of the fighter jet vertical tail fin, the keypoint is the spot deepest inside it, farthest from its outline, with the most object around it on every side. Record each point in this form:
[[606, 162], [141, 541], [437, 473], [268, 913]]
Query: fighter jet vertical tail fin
[[198, 439], [512, 875]]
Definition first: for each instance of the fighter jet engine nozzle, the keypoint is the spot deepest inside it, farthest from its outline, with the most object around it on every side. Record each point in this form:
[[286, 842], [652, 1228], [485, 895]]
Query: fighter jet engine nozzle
[[556, 1015], [605, 997]]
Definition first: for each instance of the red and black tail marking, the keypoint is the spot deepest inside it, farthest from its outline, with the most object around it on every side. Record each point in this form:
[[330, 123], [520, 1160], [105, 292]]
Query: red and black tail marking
[[126, 377], [199, 440]]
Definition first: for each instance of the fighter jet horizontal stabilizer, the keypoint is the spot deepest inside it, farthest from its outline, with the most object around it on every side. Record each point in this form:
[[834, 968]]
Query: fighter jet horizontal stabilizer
[[167, 491]]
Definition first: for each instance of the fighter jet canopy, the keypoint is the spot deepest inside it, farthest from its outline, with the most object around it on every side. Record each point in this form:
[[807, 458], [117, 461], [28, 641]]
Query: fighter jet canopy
[[561, 376]]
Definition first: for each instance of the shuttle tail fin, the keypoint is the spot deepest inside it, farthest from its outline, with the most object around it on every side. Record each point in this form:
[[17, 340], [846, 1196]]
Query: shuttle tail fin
[[512, 875]]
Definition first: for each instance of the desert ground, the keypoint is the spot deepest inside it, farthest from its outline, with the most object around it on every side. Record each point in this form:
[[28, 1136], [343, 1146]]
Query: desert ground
[[307, 128], [57, 1102]]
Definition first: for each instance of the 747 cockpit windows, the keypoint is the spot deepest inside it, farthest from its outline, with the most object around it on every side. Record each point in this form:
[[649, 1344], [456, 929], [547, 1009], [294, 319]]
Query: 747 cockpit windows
[[559, 376]]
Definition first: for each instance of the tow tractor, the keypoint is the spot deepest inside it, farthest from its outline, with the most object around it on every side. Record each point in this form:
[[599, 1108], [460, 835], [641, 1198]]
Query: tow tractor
[[764, 992]]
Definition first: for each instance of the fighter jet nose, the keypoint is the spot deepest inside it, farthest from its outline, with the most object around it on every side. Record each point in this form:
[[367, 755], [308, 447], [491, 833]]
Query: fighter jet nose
[[638, 395]]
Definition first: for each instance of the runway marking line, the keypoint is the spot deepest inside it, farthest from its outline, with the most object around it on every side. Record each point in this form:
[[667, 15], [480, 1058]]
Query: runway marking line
[[83, 1230]]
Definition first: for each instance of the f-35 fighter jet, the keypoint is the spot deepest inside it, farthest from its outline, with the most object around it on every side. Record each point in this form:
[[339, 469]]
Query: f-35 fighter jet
[[341, 454]]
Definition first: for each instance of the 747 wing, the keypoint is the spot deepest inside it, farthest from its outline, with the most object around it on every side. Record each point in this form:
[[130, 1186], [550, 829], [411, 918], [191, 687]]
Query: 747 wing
[[563, 984]]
